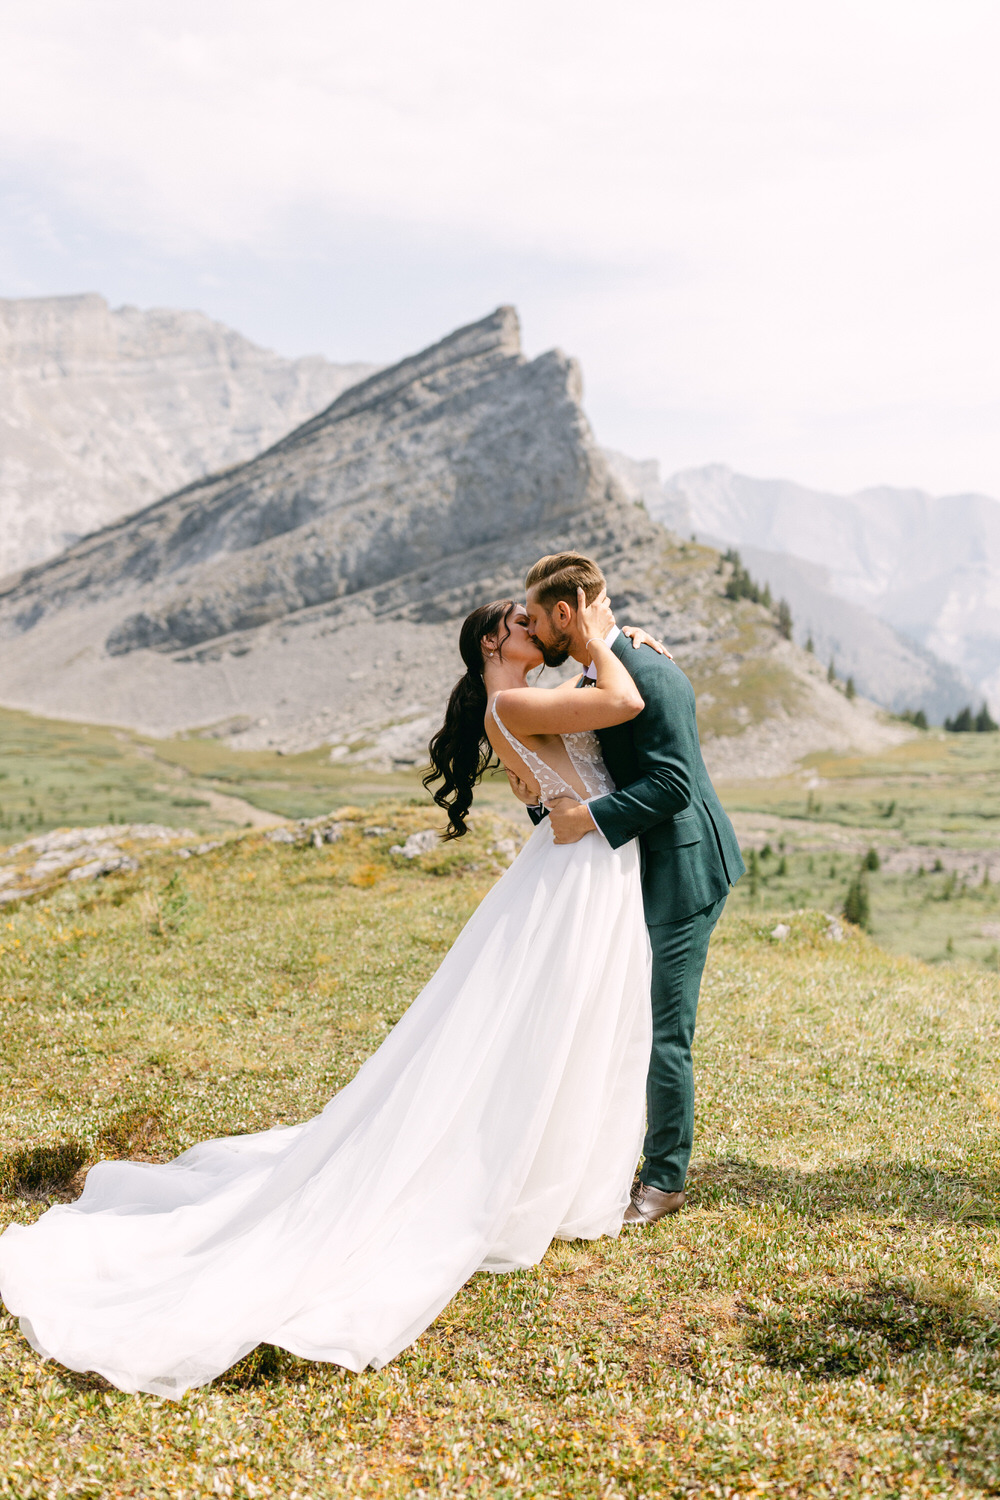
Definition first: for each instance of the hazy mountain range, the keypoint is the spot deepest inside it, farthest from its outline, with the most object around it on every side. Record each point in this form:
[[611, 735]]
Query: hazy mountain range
[[312, 594], [102, 411], [928, 568]]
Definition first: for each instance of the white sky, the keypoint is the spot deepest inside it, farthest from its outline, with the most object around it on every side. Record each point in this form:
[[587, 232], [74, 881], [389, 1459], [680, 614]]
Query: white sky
[[770, 231]]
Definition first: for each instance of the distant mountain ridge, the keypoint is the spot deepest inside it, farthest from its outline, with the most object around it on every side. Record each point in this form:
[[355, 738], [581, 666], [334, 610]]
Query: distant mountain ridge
[[843, 593], [103, 410], [929, 566], [312, 594]]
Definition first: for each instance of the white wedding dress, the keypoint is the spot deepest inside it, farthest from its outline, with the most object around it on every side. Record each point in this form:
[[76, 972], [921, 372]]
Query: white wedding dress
[[504, 1109]]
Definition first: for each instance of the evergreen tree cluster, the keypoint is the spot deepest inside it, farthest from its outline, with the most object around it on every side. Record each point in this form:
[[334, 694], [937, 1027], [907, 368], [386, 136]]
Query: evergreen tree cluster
[[916, 717], [850, 688], [740, 585], [857, 908], [966, 722]]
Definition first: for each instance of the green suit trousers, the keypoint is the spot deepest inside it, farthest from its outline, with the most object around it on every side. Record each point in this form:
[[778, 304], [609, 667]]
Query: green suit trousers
[[679, 953]]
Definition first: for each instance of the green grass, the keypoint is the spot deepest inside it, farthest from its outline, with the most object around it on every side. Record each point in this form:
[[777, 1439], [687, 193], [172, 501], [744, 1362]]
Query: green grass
[[822, 1320], [937, 916], [739, 684], [942, 789], [56, 774], [939, 794], [929, 807]]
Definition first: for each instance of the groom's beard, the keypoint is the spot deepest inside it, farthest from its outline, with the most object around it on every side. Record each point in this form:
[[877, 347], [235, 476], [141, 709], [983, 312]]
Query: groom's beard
[[556, 651]]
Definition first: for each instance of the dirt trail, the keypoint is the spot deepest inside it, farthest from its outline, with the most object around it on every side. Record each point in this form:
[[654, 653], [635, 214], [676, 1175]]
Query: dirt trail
[[235, 810]]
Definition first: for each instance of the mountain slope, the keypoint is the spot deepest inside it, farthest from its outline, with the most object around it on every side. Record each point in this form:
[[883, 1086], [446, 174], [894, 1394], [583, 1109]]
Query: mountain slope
[[313, 594], [930, 567], [886, 666], [102, 411]]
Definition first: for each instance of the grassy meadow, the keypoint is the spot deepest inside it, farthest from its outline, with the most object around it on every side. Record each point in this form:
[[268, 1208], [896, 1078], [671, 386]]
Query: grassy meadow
[[54, 774], [823, 1320], [929, 809]]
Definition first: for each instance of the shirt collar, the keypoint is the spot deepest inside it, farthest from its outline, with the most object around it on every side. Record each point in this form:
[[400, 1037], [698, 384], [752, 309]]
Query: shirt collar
[[591, 672]]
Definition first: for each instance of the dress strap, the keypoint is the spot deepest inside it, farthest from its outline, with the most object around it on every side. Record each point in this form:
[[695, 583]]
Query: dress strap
[[550, 783]]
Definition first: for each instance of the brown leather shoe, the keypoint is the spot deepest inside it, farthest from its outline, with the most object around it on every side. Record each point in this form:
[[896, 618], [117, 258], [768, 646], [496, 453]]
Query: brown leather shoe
[[649, 1204]]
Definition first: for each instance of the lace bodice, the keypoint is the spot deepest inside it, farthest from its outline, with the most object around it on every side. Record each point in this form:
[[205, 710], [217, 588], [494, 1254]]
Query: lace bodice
[[585, 756]]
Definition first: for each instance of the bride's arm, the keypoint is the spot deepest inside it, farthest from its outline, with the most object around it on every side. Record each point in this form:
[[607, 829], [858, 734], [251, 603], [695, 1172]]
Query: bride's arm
[[614, 698]]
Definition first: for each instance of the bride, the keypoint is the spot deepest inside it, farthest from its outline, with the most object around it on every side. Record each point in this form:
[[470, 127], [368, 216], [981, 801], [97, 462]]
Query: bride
[[505, 1108]]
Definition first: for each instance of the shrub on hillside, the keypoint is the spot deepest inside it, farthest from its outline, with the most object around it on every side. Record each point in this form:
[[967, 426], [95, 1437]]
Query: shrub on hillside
[[857, 909]]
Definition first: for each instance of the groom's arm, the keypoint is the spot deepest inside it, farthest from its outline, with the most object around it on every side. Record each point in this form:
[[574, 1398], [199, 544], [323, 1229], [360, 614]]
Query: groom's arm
[[663, 736]]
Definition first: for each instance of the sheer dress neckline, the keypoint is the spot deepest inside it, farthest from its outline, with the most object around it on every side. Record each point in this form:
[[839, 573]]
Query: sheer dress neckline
[[584, 753]]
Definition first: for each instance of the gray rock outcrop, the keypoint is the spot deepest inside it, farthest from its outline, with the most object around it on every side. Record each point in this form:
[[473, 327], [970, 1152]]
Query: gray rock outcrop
[[312, 595], [102, 411], [418, 493]]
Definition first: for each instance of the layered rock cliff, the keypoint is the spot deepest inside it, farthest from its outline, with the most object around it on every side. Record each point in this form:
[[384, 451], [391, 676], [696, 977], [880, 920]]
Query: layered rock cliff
[[313, 594], [102, 411]]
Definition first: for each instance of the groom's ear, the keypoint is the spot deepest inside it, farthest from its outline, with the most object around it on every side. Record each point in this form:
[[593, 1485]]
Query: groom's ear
[[561, 614]]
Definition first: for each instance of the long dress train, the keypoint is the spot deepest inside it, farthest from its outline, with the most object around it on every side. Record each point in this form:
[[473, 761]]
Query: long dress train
[[504, 1109]]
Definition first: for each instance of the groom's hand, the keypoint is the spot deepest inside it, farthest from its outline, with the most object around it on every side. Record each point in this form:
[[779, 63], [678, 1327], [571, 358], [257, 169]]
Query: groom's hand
[[522, 791], [570, 821]]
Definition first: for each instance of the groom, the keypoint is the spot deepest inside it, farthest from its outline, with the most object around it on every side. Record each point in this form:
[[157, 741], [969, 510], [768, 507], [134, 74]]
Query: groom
[[690, 855]]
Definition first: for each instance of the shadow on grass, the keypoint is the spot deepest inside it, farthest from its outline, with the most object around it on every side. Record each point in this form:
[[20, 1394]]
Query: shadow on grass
[[265, 1365], [849, 1331], [886, 1190], [37, 1171]]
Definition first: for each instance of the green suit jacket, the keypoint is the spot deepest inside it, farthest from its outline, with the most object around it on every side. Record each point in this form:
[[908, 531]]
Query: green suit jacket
[[664, 797]]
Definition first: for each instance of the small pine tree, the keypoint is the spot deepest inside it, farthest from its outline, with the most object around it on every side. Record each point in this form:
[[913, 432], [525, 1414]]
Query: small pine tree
[[856, 907], [784, 618], [810, 643], [872, 861], [849, 688], [962, 723], [984, 723], [831, 671]]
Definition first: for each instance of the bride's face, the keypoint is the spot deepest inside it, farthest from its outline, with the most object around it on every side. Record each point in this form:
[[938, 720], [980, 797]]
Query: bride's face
[[519, 648]]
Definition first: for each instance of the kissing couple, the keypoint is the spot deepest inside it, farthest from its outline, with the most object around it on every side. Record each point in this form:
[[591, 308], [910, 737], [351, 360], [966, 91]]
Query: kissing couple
[[509, 1105]]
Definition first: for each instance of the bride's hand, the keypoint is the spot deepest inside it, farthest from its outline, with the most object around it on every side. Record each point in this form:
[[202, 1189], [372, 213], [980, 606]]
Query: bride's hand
[[639, 637], [595, 619]]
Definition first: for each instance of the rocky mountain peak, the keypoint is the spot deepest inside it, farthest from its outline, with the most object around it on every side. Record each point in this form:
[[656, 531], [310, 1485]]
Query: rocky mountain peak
[[102, 410], [313, 593]]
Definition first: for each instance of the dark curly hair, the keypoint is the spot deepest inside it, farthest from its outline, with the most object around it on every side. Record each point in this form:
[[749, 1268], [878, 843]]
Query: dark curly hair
[[460, 753]]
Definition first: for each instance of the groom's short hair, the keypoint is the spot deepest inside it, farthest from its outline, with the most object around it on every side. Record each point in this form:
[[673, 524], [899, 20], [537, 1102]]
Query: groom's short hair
[[559, 576]]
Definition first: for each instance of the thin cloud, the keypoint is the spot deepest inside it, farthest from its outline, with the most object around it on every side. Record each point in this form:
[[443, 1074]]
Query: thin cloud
[[785, 212]]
